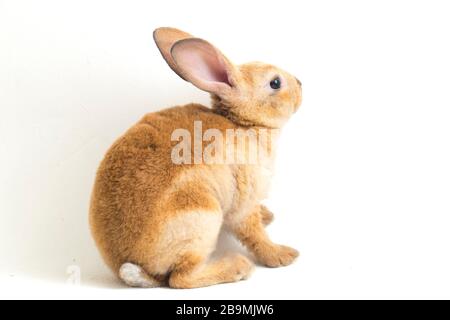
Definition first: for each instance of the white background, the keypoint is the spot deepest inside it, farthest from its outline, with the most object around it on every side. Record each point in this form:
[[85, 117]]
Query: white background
[[363, 181]]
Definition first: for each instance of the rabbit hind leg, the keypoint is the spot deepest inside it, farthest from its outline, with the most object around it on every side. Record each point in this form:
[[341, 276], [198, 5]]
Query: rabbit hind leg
[[194, 269]]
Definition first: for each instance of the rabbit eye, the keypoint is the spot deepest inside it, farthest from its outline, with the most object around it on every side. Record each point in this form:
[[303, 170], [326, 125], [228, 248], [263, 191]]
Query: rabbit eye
[[275, 84]]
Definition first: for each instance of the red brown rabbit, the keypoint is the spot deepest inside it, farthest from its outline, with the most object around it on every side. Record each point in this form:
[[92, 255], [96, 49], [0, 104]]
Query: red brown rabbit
[[156, 220]]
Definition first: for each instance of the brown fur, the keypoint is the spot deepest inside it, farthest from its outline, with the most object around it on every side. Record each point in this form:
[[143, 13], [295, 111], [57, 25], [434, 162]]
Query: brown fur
[[165, 218]]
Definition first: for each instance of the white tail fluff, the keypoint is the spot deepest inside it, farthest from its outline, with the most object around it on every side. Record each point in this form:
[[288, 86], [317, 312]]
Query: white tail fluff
[[134, 276]]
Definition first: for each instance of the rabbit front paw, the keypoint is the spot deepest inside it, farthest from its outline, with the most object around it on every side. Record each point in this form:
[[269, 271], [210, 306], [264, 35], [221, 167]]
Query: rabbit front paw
[[278, 256]]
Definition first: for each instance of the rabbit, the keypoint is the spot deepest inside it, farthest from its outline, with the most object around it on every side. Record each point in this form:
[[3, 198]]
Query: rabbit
[[156, 222]]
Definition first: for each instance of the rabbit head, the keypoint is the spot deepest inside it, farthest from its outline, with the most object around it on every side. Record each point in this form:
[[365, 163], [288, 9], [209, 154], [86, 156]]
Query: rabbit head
[[251, 94]]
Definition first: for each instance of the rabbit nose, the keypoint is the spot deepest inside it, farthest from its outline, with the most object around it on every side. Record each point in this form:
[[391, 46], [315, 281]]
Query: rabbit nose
[[298, 81]]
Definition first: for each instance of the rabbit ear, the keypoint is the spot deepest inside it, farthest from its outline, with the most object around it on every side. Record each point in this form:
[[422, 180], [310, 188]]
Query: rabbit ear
[[165, 38], [203, 65]]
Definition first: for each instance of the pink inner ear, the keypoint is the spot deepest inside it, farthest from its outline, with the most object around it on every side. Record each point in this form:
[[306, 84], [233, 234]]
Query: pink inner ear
[[199, 60]]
